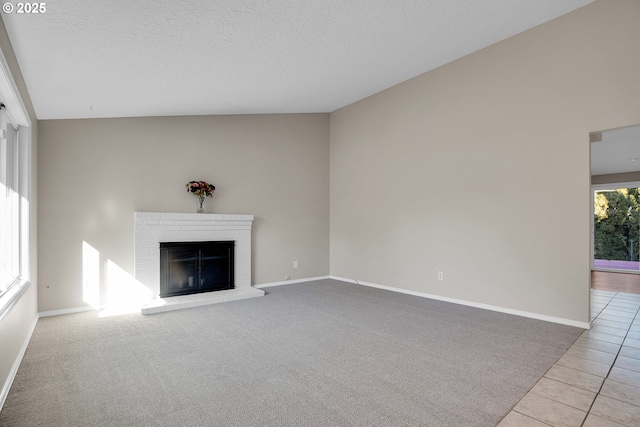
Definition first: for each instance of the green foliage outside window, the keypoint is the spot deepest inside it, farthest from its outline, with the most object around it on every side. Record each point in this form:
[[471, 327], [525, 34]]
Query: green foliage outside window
[[617, 224]]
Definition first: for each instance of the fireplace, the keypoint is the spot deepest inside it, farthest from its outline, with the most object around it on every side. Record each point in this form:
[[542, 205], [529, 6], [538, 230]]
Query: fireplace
[[153, 229], [195, 267]]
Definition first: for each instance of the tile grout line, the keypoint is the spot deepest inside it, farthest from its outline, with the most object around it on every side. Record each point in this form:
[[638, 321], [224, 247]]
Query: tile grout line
[[614, 359], [627, 329], [556, 364], [611, 367]]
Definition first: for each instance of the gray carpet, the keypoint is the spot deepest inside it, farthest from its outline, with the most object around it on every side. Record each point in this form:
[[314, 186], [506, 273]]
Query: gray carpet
[[322, 353]]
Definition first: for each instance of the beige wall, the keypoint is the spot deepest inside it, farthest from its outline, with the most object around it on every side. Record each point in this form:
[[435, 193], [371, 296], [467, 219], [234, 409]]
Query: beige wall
[[95, 173], [16, 325], [481, 168]]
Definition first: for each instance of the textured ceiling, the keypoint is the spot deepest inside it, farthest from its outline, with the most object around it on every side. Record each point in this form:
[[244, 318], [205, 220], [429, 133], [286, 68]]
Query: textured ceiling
[[120, 58]]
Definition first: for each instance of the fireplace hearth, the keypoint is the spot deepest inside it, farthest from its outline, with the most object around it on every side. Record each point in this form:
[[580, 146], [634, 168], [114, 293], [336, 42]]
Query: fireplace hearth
[[195, 267]]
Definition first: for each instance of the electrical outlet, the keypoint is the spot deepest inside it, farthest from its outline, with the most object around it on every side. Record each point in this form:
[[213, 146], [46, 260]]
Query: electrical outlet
[[287, 277], [440, 275], [295, 264]]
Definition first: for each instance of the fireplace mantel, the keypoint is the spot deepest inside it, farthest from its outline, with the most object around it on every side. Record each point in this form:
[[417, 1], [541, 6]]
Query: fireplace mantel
[[151, 228]]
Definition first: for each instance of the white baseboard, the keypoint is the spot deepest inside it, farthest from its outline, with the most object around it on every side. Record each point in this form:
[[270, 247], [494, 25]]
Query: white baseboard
[[289, 282], [66, 311], [14, 369], [560, 320]]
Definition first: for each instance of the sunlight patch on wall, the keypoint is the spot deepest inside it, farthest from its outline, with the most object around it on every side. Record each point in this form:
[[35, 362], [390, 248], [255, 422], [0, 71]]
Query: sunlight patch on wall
[[124, 293]]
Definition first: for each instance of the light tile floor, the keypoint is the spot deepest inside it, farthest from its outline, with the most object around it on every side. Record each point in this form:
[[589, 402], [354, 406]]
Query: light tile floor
[[597, 381]]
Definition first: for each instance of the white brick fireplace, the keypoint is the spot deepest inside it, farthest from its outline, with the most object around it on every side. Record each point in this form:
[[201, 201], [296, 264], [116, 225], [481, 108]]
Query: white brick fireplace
[[151, 228]]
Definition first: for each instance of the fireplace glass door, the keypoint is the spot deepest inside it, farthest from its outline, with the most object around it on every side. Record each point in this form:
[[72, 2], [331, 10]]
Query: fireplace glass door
[[193, 267]]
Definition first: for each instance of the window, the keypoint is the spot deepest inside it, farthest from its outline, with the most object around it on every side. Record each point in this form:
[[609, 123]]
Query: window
[[15, 191], [9, 203], [616, 220]]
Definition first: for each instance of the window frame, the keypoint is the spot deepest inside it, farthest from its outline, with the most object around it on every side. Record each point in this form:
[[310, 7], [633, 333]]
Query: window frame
[[10, 201], [594, 189], [18, 116]]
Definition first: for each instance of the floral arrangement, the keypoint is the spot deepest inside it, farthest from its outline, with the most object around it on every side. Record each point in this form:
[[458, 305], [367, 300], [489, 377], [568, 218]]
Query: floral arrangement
[[200, 189]]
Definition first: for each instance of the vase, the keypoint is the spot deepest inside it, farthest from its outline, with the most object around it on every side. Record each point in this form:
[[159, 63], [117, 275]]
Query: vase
[[200, 204]]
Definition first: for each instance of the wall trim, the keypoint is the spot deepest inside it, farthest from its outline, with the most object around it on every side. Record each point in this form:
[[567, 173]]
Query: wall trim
[[289, 282], [14, 369], [537, 316], [17, 112], [260, 286], [66, 311], [552, 319]]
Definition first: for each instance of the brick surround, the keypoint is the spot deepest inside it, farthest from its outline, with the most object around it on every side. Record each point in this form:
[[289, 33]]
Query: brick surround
[[151, 228]]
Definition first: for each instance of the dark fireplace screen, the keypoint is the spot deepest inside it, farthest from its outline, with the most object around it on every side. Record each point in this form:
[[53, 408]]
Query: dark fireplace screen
[[193, 267]]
